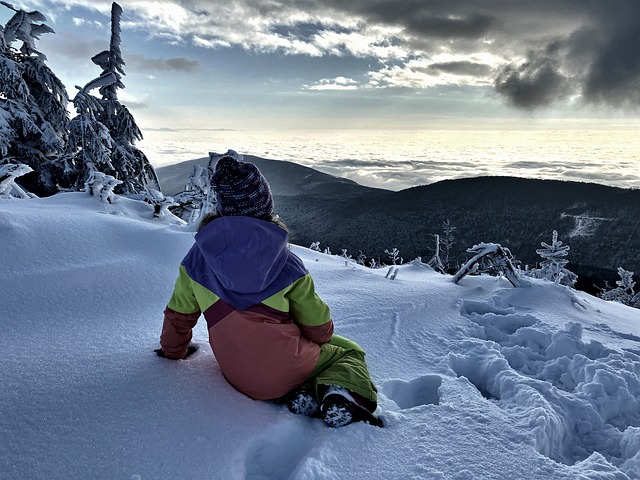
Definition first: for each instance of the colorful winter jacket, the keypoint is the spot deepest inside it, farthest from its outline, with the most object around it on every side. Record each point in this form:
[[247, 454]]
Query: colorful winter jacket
[[264, 318]]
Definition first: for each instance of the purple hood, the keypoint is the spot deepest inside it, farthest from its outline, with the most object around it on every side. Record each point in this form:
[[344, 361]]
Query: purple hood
[[243, 260], [245, 254]]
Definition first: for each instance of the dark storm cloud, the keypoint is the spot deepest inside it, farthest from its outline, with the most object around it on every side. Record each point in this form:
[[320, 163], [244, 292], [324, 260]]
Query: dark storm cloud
[[599, 60], [535, 83], [469, 19], [585, 47], [614, 74], [422, 22]]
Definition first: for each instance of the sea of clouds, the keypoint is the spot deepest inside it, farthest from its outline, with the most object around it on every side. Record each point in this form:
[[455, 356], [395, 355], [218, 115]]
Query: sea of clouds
[[399, 159]]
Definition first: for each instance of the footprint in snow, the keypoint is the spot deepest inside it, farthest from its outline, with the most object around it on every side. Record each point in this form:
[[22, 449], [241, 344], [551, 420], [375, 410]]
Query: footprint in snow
[[498, 323], [419, 391], [278, 452]]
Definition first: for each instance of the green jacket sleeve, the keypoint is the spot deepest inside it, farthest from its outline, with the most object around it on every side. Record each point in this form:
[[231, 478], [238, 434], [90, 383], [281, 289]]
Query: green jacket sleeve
[[180, 316], [310, 313], [183, 300]]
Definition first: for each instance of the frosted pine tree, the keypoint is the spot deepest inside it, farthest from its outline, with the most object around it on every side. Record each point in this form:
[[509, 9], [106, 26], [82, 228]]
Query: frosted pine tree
[[624, 292], [128, 163], [89, 144], [553, 266], [33, 103]]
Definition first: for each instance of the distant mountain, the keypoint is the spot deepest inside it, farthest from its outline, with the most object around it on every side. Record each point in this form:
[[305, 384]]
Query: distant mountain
[[601, 224], [287, 179]]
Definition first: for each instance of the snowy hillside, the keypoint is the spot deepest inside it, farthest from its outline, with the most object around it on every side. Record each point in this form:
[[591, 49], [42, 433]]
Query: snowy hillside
[[477, 380]]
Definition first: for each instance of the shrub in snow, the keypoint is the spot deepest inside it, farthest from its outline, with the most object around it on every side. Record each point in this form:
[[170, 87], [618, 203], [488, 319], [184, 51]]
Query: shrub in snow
[[360, 260], [33, 103], [8, 186], [315, 246], [160, 203], [345, 256], [107, 194], [497, 255], [552, 267], [393, 255], [190, 203], [94, 183], [624, 292], [100, 185]]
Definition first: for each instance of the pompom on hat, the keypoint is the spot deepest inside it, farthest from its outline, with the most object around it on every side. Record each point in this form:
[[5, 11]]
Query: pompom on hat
[[240, 188]]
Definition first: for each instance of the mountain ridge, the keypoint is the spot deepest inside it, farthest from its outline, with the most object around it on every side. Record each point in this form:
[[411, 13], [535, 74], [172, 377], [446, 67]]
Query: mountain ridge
[[519, 213]]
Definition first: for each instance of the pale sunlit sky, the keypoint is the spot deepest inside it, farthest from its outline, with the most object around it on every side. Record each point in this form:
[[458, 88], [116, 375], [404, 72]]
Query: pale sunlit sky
[[221, 64]]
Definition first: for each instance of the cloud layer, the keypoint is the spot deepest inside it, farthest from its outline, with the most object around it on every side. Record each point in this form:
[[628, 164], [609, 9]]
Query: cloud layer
[[532, 53]]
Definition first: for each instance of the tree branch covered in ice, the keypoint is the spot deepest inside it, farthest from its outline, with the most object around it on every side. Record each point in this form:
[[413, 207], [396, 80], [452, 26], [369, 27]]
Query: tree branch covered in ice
[[497, 255], [8, 187]]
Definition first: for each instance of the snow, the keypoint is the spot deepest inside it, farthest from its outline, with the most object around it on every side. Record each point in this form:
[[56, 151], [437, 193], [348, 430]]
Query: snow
[[585, 225], [477, 380]]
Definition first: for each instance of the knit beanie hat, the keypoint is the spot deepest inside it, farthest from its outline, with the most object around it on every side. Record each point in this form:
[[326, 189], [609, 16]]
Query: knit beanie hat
[[241, 189]]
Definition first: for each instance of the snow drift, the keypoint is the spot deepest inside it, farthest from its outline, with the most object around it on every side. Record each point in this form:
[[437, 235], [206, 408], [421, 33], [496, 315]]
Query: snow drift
[[477, 380]]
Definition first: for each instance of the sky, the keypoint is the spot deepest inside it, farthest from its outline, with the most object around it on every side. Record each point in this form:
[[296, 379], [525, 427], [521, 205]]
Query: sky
[[360, 64]]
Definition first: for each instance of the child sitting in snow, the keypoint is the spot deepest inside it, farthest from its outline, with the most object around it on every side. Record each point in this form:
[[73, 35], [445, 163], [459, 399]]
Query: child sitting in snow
[[270, 333]]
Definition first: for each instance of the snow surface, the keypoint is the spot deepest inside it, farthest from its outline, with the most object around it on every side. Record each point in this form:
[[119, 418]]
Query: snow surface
[[478, 380]]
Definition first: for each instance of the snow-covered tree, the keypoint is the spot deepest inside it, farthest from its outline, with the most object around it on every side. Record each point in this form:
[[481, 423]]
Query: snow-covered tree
[[553, 266], [107, 194], [126, 162], [190, 203], [624, 292], [436, 261], [89, 145], [33, 103], [447, 241], [159, 202]]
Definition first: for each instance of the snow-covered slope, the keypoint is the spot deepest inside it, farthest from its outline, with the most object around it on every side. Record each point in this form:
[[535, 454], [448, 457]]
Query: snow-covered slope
[[477, 380]]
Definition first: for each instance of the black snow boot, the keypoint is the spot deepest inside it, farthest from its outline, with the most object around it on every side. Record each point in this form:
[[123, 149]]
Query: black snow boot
[[302, 402]]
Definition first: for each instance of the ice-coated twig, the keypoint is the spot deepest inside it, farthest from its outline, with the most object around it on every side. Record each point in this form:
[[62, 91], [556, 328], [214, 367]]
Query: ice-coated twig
[[8, 186]]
